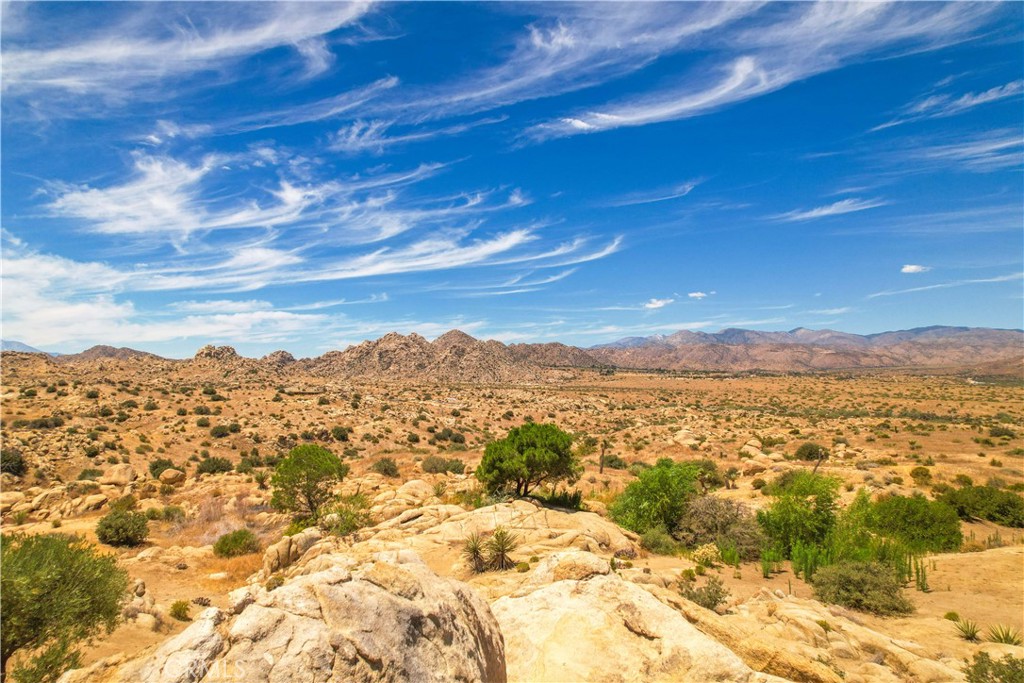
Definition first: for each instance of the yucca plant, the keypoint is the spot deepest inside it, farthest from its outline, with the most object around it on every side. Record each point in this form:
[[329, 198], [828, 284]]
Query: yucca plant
[[968, 630], [498, 547], [1004, 634], [473, 551]]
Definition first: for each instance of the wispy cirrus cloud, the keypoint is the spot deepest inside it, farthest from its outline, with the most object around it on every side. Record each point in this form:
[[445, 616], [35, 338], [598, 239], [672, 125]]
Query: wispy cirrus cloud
[[372, 137], [843, 206], [946, 285], [944, 104], [984, 152], [136, 55], [663, 194], [777, 49]]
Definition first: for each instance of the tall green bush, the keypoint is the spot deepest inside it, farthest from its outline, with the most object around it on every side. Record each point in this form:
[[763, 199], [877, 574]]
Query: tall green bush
[[58, 592], [529, 456], [657, 498]]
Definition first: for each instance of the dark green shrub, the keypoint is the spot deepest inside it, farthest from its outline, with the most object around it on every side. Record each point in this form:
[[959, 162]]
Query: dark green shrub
[[158, 466], [725, 523], [529, 456], [214, 466], [984, 669], [438, 465], [659, 542], [89, 474], [385, 466], [235, 543], [921, 475], [709, 596], [986, 502], [921, 524], [865, 586], [657, 498], [569, 500], [203, 422], [1006, 432], [811, 451], [220, 431], [122, 528], [12, 462], [58, 591], [304, 481]]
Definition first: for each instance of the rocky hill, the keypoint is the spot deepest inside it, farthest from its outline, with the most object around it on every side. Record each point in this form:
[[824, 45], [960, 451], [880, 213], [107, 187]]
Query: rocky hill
[[554, 355], [104, 352], [453, 357], [802, 349]]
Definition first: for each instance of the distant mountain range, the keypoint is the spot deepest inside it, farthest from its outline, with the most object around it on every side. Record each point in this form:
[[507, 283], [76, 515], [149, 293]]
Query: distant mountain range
[[805, 350], [11, 345], [458, 357]]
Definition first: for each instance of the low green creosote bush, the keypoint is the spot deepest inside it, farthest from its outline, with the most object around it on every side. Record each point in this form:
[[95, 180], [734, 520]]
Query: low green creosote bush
[[180, 610], [984, 669], [123, 528], [235, 543], [709, 596], [865, 586]]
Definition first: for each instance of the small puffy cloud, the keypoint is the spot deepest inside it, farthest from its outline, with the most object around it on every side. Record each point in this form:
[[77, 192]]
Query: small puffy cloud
[[697, 295], [911, 268], [657, 303]]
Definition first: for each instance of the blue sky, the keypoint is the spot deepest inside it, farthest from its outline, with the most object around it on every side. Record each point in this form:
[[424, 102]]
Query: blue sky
[[306, 176]]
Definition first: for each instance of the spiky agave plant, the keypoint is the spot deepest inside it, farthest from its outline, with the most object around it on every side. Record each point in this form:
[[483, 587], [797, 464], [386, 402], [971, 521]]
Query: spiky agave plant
[[1004, 634], [968, 630], [499, 546], [473, 551]]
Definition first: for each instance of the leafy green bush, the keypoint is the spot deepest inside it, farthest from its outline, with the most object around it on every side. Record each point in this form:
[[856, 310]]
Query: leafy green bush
[[90, 474], [235, 543], [122, 528], [658, 541], [159, 465], [304, 481], [986, 502], [58, 591], [984, 669], [12, 462], [804, 510], [725, 523], [214, 466], [865, 586], [921, 524], [385, 466], [529, 456], [657, 498], [1000, 431]]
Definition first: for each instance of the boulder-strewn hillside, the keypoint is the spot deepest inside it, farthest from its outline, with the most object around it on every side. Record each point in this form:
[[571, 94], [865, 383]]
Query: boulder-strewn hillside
[[453, 357], [554, 355], [802, 349], [104, 352]]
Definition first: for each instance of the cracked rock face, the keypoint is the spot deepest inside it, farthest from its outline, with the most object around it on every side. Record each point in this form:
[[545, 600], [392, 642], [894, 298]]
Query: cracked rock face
[[382, 621], [606, 629]]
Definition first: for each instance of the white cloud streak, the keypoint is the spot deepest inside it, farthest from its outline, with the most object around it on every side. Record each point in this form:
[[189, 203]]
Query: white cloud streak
[[839, 208], [655, 304], [944, 104], [947, 285], [912, 268], [141, 51], [801, 40]]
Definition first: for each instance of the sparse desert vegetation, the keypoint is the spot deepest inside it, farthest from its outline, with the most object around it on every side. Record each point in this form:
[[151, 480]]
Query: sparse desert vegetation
[[750, 496]]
